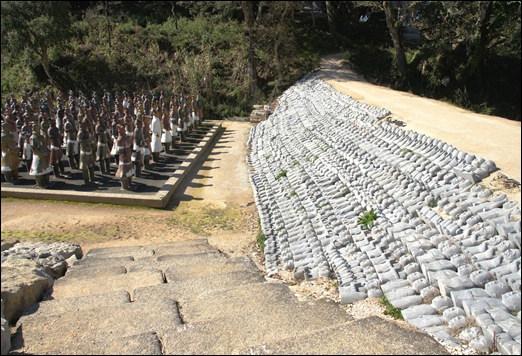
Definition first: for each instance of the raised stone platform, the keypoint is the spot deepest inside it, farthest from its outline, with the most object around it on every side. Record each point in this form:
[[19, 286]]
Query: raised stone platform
[[154, 189]]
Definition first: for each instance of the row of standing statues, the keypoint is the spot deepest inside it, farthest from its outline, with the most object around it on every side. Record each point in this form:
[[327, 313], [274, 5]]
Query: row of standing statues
[[44, 132]]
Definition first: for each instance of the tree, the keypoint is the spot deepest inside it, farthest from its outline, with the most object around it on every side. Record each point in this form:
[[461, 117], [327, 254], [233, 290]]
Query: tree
[[330, 13], [248, 11], [395, 22], [35, 26]]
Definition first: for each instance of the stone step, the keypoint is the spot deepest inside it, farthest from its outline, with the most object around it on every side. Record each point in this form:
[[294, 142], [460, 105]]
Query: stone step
[[85, 284], [147, 343], [73, 331], [138, 252], [231, 320], [78, 304], [371, 334]]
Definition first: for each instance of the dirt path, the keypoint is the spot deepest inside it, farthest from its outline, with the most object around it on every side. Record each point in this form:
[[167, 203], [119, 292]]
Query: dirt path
[[489, 137]]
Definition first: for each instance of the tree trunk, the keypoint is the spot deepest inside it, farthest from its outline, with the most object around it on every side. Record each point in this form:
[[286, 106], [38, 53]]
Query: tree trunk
[[479, 42], [45, 62], [248, 11], [109, 30], [173, 10], [394, 24], [330, 13]]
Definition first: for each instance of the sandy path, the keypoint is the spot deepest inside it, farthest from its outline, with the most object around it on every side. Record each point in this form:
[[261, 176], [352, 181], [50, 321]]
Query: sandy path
[[490, 137]]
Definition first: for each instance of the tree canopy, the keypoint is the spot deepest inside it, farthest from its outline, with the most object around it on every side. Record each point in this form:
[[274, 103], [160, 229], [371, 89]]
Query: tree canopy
[[239, 53]]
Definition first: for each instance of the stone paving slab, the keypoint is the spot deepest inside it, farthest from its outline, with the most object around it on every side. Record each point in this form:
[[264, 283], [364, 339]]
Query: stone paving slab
[[368, 336], [235, 318], [83, 285], [93, 325]]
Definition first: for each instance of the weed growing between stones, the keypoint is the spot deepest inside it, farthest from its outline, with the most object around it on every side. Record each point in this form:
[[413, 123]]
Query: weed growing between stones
[[293, 194], [405, 151], [261, 240], [281, 174], [390, 309], [367, 218]]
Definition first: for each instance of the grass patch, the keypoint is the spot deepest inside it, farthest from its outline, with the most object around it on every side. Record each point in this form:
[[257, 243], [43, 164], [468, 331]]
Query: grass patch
[[390, 309], [203, 220], [293, 194], [261, 240], [281, 174], [405, 151]]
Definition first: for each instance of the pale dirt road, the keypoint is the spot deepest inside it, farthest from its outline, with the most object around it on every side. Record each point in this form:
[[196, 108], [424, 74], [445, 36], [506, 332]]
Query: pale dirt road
[[490, 137]]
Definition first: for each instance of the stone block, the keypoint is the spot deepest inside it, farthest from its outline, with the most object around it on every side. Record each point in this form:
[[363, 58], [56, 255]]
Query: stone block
[[427, 321], [416, 311], [447, 285], [469, 296]]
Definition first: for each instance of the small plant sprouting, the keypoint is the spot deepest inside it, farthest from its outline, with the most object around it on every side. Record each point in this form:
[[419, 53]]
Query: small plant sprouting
[[261, 240], [367, 218], [405, 151], [390, 309], [281, 174]]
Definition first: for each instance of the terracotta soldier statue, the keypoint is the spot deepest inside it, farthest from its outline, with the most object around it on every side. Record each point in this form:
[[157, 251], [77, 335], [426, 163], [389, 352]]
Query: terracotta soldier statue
[[125, 170], [173, 118], [138, 147], [10, 158], [86, 154], [182, 123], [72, 149], [55, 158], [199, 108], [102, 149], [147, 137], [40, 167], [156, 130], [166, 133]]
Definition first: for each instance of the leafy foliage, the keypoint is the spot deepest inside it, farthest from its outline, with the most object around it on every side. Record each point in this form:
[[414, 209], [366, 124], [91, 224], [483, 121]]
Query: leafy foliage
[[469, 56]]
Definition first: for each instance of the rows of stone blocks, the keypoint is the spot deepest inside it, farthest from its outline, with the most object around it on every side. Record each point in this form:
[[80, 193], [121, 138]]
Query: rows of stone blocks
[[443, 249]]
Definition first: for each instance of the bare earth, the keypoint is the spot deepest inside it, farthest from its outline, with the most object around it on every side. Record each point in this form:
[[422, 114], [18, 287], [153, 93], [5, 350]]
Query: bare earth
[[217, 201]]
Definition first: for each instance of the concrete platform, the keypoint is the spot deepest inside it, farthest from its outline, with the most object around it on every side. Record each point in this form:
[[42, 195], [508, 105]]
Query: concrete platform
[[154, 189]]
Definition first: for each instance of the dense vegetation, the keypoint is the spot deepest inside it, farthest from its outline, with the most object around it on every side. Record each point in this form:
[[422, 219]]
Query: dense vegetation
[[239, 53]]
